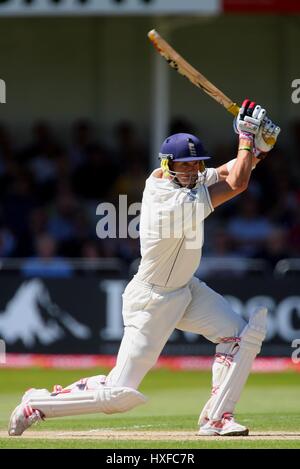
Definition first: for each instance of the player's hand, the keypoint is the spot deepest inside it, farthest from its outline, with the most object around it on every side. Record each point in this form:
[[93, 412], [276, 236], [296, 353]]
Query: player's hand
[[266, 137], [249, 119]]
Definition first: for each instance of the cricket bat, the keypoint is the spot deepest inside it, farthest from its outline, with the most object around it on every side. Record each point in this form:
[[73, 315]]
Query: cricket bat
[[177, 62]]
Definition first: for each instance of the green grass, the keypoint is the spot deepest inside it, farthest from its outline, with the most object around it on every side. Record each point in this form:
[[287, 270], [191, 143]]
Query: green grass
[[129, 444], [270, 402]]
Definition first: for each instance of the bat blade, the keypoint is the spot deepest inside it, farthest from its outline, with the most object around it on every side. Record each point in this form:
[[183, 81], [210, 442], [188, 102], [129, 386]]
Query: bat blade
[[177, 62]]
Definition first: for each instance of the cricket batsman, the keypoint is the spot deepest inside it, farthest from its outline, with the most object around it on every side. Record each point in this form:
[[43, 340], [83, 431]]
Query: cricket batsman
[[165, 294]]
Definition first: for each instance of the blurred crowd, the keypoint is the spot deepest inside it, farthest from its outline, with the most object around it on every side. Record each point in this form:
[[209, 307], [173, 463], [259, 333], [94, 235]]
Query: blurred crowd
[[50, 192]]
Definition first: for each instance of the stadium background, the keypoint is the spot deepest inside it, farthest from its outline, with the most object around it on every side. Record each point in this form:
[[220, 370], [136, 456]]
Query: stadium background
[[87, 102]]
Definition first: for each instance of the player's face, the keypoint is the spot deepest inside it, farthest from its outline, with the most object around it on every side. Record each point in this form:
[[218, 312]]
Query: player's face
[[187, 172]]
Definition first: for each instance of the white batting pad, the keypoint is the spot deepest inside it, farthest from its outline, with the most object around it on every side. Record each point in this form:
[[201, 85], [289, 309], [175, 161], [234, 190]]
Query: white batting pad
[[250, 345], [108, 400], [220, 369]]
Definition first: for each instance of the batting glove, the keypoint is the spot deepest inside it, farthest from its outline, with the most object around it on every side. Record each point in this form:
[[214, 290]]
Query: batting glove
[[249, 119], [266, 137]]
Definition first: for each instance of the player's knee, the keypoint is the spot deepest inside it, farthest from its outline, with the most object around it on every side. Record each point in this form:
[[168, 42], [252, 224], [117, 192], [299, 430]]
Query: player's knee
[[228, 347], [232, 329], [120, 399], [230, 336], [240, 325]]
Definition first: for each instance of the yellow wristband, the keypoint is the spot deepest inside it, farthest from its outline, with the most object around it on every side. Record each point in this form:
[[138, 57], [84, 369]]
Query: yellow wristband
[[245, 148]]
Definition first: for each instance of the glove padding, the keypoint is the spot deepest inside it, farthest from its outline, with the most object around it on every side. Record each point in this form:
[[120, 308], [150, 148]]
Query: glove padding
[[267, 131], [249, 118], [253, 121]]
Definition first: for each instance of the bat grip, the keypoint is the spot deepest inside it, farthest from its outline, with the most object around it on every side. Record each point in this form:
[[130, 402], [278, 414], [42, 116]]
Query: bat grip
[[233, 108]]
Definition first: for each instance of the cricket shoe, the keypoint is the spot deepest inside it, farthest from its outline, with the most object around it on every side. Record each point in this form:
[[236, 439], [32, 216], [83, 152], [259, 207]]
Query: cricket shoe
[[227, 426]]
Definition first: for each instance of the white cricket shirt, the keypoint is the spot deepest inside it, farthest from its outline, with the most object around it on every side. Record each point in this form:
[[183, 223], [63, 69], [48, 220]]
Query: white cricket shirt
[[171, 230]]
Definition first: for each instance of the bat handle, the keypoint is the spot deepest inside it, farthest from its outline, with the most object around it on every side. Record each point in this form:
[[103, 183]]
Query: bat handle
[[233, 108]]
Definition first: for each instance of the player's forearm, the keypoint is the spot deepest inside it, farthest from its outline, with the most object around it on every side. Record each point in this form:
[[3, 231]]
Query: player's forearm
[[239, 176], [224, 170], [255, 162]]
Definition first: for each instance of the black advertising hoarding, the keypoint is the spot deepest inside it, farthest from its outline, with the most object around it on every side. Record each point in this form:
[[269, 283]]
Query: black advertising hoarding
[[83, 315]]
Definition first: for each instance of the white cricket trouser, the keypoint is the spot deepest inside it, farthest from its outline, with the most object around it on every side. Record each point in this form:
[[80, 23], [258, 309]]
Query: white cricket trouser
[[151, 314]]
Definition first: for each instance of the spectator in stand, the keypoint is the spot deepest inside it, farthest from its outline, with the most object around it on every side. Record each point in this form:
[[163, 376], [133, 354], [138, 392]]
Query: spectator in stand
[[91, 252], [296, 140], [38, 221], [283, 211], [45, 263], [62, 168], [81, 141], [44, 170], [8, 165], [129, 249], [91, 249], [42, 142], [17, 205], [129, 148], [249, 229], [110, 247], [61, 224], [69, 224], [40, 158], [7, 242], [131, 183], [83, 229], [294, 233], [275, 248], [95, 177], [223, 259], [6, 150], [223, 245]]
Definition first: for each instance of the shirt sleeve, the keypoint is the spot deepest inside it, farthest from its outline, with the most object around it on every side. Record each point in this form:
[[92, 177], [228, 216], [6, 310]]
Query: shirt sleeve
[[211, 176], [208, 206]]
